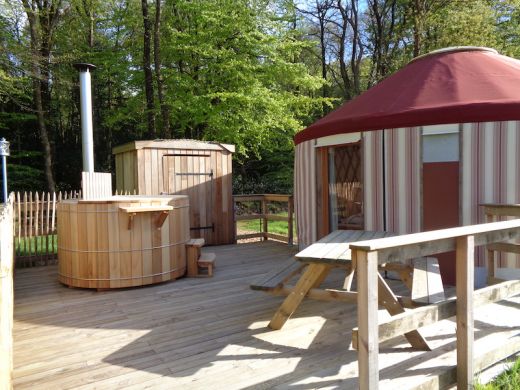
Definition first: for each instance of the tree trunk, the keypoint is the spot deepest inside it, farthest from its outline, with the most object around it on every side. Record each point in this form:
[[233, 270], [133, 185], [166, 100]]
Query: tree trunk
[[417, 28], [39, 98], [89, 13], [165, 112], [148, 76], [322, 8], [357, 49]]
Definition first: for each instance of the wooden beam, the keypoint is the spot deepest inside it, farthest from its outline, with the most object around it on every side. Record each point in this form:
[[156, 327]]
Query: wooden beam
[[6, 294], [293, 300], [277, 236], [249, 217], [504, 247], [248, 198], [160, 218], [427, 315], [290, 213], [399, 248], [131, 220], [489, 254], [449, 377], [273, 217], [276, 197], [265, 225], [393, 307], [465, 258], [321, 295], [509, 210], [368, 350], [251, 235]]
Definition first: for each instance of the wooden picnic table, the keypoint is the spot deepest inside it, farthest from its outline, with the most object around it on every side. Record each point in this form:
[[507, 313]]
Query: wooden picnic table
[[333, 251]]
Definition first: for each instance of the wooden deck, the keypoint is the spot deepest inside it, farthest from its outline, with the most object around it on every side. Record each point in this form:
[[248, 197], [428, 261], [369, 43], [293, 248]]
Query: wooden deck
[[211, 334]]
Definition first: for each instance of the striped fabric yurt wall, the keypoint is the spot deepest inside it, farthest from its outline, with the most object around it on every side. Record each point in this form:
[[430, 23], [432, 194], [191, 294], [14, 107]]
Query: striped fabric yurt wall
[[403, 180], [490, 163], [391, 183], [305, 193], [392, 180], [373, 182]]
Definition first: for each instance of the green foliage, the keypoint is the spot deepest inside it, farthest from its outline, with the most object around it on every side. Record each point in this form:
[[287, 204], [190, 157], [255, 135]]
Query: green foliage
[[38, 245], [454, 25], [233, 75], [23, 171], [255, 225], [507, 380], [272, 173]]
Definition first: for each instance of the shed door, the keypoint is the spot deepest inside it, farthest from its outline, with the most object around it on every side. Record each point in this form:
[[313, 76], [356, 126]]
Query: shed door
[[192, 175]]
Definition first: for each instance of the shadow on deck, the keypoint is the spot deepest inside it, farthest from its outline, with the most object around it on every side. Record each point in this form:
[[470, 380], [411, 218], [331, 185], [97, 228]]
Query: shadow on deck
[[212, 333]]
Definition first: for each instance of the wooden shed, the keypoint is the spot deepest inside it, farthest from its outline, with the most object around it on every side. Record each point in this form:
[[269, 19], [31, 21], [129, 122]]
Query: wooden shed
[[201, 170], [422, 150]]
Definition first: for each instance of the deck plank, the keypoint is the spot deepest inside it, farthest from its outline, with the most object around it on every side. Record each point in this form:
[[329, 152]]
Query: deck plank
[[212, 333]]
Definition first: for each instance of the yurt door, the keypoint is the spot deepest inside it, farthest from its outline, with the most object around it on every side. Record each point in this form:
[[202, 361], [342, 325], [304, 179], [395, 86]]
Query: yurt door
[[192, 175], [440, 170]]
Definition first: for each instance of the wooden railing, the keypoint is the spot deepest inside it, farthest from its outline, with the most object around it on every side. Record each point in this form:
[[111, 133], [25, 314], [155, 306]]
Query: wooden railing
[[495, 212], [264, 216], [6, 294], [369, 254]]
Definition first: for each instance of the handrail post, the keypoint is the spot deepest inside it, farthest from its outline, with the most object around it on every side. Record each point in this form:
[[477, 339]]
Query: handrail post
[[6, 293], [490, 255], [368, 335], [235, 224], [290, 221], [264, 218], [465, 285]]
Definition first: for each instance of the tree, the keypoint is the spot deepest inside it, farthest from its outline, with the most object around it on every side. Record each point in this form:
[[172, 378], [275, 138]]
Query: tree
[[147, 68], [232, 75], [43, 18], [349, 36], [384, 37], [165, 112]]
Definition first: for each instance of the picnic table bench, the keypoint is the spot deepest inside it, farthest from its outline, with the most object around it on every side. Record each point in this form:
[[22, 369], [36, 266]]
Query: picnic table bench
[[316, 261]]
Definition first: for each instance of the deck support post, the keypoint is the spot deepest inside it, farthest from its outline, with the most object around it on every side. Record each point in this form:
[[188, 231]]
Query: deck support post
[[465, 286], [368, 336], [265, 224]]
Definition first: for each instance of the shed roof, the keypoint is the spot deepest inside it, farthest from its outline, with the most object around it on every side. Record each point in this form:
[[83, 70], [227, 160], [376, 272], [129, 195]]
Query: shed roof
[[173, 144], [453, 85]]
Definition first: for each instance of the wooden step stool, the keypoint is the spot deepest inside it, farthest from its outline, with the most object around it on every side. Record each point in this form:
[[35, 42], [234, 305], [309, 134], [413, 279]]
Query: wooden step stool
[[199, 264]]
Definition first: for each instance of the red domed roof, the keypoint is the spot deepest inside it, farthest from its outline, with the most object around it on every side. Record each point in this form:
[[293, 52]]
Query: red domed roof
[[454, 85]]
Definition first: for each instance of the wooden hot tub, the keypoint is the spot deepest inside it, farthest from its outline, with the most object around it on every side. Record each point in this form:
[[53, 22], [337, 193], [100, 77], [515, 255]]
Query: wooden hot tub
[[122, 241]]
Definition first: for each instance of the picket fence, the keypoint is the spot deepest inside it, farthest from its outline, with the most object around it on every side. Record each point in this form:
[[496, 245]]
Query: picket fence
[[34, 227]]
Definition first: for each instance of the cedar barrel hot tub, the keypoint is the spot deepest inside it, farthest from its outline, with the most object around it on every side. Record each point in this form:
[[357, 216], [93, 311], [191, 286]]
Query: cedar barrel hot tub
[[122, 241]]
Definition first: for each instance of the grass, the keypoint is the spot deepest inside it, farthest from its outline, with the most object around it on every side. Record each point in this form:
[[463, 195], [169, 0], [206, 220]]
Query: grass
[[30, 246], [277, 227], [508, 380]]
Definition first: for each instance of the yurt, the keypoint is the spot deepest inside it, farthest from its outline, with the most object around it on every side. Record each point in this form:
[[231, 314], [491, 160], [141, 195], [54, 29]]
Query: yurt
[[421, 150]]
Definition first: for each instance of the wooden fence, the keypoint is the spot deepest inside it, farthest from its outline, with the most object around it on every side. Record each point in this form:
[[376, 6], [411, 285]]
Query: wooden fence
[[264, 216], [34, 217], [503, 254], [6, 294], [369, 254]]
